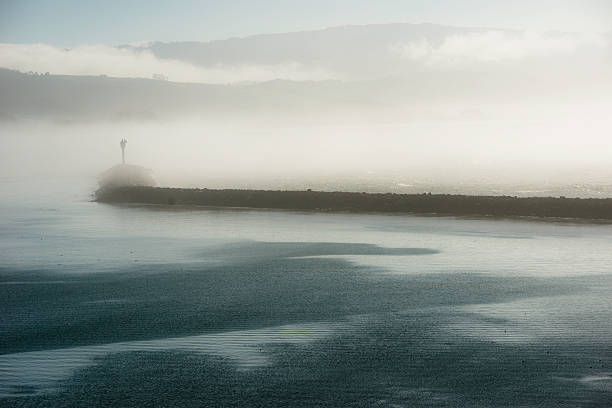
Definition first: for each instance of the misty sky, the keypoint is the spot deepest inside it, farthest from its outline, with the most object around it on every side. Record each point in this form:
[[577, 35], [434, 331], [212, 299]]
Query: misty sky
[[75, 22], [488, 103]]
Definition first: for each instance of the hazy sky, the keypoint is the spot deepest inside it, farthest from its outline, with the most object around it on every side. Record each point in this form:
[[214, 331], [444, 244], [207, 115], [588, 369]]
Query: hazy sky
[[482, 102], [75, 22]]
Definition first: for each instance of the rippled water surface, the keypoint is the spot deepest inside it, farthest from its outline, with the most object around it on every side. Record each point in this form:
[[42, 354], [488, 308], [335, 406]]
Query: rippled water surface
[[165, 306]]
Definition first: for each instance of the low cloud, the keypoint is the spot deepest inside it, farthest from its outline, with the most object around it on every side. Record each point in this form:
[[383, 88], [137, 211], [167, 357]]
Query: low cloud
[[129, 63], [494, 47]]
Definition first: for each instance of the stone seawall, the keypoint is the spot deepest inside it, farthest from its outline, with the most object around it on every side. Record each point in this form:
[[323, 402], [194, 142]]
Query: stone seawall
[[443, 204]]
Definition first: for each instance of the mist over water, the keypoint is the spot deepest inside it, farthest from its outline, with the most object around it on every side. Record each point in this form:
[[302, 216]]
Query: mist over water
[[352, 154]]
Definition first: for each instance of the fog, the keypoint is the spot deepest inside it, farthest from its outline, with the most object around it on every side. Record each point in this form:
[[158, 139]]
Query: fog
[[224, 153], [408, 105]]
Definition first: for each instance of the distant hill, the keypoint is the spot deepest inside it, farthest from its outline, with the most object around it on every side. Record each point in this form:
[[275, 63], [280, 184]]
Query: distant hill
[[379, 66], [356, 50], [375, 51], [87, 98], [82, 97]]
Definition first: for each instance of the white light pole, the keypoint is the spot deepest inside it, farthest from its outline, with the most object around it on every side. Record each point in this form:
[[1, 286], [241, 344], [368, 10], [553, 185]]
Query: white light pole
[[122, 144]]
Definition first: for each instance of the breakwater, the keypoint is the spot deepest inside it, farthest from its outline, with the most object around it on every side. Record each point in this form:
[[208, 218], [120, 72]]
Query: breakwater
[[443, 204]]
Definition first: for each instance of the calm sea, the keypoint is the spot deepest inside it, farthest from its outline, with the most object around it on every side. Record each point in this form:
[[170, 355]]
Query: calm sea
[[167, 306]]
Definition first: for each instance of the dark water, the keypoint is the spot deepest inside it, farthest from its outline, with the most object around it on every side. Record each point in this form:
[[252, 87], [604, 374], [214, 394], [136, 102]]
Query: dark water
[[140, 306]]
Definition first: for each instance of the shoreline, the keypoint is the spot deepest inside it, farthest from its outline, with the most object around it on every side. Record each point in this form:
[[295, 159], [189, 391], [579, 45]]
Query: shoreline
[[596, 210]]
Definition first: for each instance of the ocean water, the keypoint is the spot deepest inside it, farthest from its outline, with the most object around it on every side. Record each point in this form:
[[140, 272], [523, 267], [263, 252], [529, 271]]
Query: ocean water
[[170, 306]]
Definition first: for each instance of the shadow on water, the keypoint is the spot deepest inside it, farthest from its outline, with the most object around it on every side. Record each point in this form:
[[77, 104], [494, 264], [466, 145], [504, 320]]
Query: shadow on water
[[251, 251], [393, 350], [401, 360], [278, 287]]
